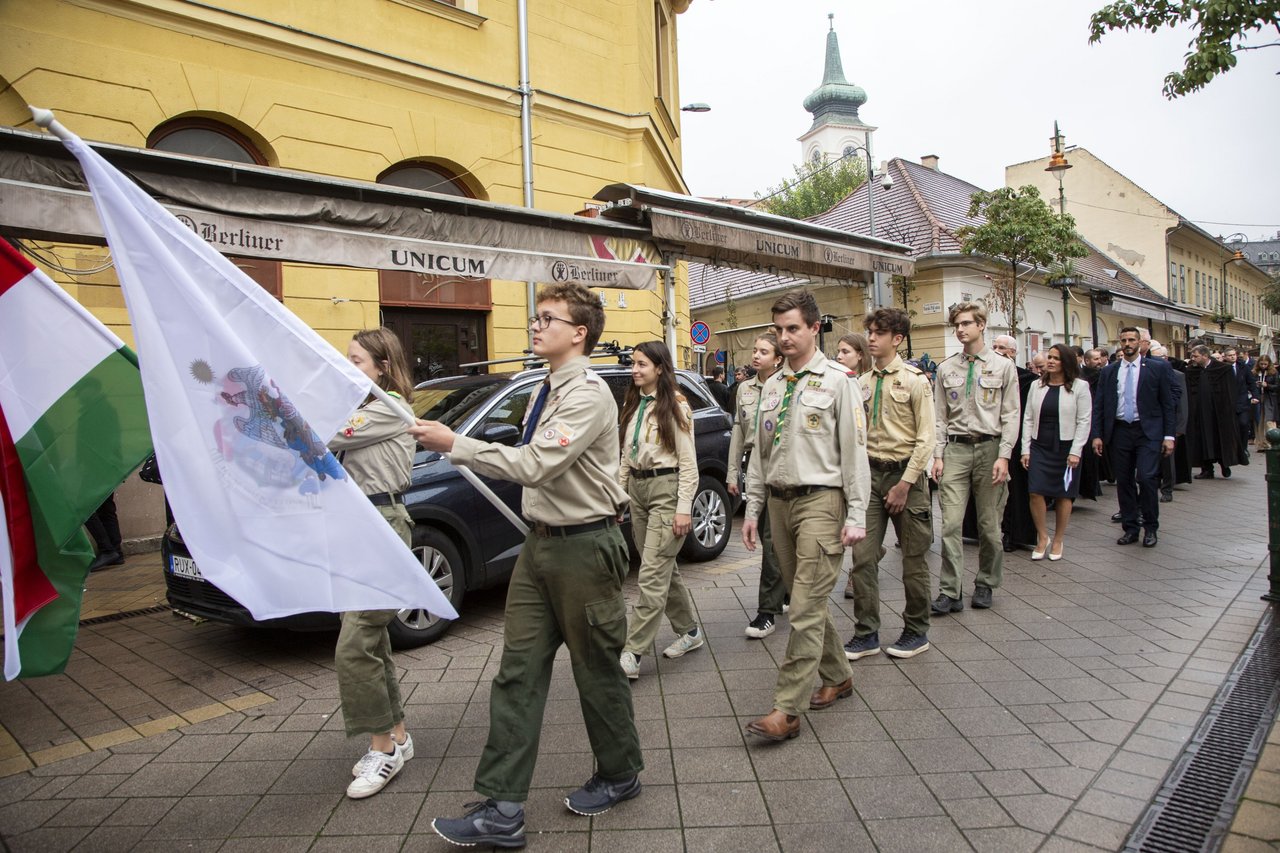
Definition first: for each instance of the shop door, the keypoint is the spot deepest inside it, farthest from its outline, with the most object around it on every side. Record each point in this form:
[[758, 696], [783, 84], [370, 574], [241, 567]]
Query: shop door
[[437, 342]]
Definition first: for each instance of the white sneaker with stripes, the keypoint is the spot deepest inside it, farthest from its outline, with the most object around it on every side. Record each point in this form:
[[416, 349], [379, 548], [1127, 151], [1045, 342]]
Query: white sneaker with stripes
[[376, 770]]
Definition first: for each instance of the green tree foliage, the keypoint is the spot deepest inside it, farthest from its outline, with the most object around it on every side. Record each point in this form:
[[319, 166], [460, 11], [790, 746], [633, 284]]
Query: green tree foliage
[[1219, 27], [816, 188], [1271, 295], [1020, 229]]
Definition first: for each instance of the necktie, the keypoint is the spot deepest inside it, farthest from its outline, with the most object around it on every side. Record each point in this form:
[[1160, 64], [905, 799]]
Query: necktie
[[1130, 413], [532, 423], [968, 380], [635, 437], [875, 400], [786, 404]]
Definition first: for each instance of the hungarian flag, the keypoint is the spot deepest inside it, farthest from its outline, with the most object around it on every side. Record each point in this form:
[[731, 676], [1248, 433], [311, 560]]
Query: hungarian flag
[[242, 398], [72, 427]]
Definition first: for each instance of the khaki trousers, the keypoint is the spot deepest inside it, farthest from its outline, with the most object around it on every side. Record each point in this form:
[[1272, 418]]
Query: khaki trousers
[[914, 526], [368, 687], [966, 470], [564, 591], [806, 539], [653, 508]]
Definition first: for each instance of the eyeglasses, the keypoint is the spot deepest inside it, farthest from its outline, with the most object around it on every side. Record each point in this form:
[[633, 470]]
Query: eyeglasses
[[542, 321]]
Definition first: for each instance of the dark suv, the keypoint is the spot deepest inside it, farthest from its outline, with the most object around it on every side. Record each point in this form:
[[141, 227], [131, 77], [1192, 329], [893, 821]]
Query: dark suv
[[463, 540]]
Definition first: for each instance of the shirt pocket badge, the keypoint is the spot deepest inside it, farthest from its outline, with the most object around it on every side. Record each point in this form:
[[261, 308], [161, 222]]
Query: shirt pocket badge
[[953, 380]]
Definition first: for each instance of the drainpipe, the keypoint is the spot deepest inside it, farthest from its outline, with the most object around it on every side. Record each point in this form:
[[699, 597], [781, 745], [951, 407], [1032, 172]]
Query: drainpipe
[[526, 133], [669, 280]]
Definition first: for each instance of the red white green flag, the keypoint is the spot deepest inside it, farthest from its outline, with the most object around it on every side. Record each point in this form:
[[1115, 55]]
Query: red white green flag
[[73, 425]]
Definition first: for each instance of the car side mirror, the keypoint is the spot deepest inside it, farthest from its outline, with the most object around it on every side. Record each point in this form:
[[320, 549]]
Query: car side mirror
[[500, 434]]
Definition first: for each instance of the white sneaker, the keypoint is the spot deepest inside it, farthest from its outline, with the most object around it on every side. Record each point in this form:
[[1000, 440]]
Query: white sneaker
[[630, 665], [379, 769], [406, 751], [684, 644]]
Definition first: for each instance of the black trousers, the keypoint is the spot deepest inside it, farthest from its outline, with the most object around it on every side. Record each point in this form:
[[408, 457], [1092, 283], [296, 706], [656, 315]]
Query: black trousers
[[1135, 461], [104, 526]]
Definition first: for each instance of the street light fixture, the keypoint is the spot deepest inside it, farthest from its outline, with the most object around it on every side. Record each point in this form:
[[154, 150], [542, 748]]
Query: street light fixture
[[696, 107], [1058, 166], [849, 151], [1224, 317]]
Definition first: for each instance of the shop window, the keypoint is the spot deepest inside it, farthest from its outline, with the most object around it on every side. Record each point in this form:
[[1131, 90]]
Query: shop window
[[664, 71]]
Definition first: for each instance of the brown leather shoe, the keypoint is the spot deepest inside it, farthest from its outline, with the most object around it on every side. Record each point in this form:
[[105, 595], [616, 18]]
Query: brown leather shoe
[[775, 726], [825, 697]]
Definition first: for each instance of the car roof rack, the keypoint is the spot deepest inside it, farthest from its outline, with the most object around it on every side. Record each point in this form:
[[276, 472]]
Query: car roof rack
[[609, 349]]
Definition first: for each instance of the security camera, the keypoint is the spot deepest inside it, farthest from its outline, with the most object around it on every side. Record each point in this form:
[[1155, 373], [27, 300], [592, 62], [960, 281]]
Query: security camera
[[886, 182]]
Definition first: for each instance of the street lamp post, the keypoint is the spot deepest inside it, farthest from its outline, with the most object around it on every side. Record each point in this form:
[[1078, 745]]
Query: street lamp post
[[1057, 167], [1224, 315], [876, 296]]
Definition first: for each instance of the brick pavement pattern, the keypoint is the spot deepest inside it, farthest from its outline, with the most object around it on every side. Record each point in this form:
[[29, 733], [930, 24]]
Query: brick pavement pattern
[[1045, 723]]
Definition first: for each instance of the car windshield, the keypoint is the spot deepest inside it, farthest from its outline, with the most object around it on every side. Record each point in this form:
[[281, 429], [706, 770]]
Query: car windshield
[[450, 401]]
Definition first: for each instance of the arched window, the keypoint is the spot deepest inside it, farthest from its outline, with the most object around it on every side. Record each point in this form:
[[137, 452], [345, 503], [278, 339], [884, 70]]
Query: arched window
[[850, 150], [427, 177], [203, 137]]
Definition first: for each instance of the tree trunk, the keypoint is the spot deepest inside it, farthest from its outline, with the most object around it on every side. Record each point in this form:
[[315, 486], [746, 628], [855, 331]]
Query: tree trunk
[[1013, 300]]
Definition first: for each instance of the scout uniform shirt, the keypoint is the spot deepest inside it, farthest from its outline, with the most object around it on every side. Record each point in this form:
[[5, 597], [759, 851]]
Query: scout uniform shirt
[[570, 467], [977, 395], [376, 449], [745, 423], [811, 434], [642, 449], [900, 420]]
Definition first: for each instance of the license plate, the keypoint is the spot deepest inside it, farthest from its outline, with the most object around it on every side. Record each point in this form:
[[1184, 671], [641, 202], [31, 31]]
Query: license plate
[[185, 567]]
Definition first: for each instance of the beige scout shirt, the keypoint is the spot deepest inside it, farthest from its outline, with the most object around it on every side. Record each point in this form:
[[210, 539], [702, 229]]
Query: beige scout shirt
[[569, 469], [988, 405], [745, 424], [376, 449], [644, 450], [823, 439], [905, 426]]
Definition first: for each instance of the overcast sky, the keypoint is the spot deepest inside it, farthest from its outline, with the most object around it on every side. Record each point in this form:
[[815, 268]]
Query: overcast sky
[[980, 84]]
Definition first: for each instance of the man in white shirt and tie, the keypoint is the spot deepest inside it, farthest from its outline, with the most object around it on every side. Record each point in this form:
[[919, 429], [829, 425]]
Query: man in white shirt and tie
[[1135, 421]]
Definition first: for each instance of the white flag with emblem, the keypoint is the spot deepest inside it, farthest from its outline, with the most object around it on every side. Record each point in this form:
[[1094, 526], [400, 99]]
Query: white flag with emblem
[[242, 396]]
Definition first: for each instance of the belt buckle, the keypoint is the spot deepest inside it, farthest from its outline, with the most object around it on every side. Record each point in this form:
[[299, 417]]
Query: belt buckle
[[541, 530]]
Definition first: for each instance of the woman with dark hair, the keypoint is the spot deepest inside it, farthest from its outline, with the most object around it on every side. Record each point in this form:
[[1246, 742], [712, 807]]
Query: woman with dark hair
[[377, 453], [660, 474], [765, 359], [1055, 426]]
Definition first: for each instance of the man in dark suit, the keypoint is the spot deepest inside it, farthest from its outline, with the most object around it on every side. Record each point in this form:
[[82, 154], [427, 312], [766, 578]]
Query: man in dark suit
[[1246, 396], [1135, 421]]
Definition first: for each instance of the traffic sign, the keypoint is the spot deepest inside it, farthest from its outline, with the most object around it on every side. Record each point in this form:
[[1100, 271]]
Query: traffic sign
[[700, 333], [699, 349], [720, 356]]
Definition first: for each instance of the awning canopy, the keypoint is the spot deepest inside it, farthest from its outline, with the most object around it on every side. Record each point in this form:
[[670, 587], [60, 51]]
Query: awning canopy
[[733, 236], [1154, 311], [279, 214]]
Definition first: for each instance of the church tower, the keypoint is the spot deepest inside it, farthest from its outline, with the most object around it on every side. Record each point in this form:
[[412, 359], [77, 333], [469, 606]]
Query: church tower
[[836, 128]]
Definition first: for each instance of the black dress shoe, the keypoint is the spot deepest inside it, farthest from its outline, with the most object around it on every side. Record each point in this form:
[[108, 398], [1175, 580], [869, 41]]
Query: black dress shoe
[[1128, 539], [105, 560], [1226, 473], [1164, 498], [1204, 475], [1116, 519], [1149, 539]]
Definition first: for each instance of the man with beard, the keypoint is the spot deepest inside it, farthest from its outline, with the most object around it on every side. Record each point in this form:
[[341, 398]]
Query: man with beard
[[1212, 435]]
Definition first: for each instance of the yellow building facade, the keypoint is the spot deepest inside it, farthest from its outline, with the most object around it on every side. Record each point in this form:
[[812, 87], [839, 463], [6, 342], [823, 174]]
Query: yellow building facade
[[368, 90], [1154, 242]]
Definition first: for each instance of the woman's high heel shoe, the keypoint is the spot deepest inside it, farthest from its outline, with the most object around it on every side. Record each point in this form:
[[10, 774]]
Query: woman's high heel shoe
[[1058, 556], [1039, 555]]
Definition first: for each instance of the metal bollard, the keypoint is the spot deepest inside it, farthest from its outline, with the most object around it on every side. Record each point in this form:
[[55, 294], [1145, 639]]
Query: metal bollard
[[1273, 513]]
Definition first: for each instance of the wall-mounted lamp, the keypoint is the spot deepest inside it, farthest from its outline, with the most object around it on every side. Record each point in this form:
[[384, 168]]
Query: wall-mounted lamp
[[696, 107], [622, 300]]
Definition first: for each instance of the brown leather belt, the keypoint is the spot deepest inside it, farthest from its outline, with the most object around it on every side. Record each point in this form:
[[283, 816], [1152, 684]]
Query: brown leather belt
[[385, 499], [646, 473], [888, 464]]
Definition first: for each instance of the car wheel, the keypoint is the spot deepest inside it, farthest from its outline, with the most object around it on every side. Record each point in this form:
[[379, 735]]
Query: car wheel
[[710, 533], [440, 559]]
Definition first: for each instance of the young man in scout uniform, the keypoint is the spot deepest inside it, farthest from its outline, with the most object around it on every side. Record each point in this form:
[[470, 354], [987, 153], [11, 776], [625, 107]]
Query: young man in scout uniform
[[810, 463], [567, 584], [978, 413], [900, 439]]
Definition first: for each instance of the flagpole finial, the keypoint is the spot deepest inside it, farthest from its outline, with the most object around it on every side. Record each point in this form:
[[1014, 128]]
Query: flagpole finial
[[44, 118]]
